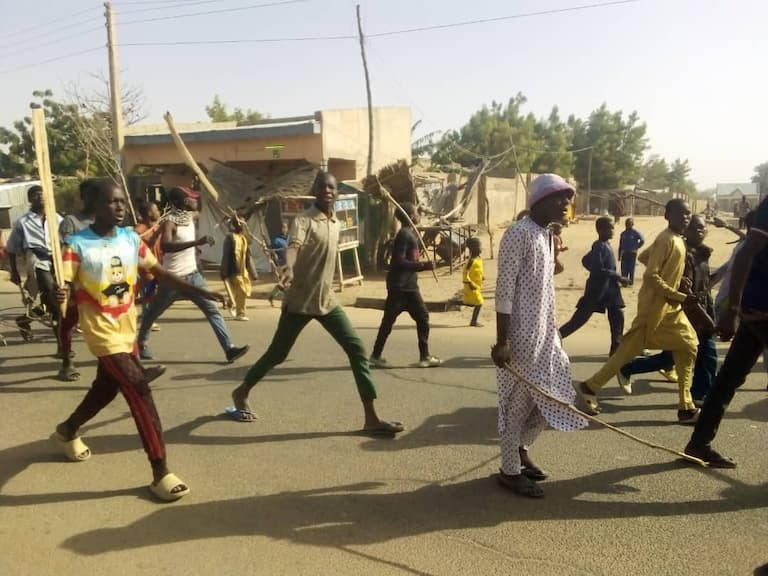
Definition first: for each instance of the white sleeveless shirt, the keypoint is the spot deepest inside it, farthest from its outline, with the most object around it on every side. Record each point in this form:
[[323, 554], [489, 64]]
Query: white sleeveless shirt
[[183, 262]]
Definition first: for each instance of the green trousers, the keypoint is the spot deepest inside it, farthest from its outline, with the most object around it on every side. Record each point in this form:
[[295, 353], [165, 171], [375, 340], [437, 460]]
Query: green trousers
[[337, 325]]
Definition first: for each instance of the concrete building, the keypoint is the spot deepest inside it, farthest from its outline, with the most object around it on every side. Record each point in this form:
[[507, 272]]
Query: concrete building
[[728, 195], [335, 139]]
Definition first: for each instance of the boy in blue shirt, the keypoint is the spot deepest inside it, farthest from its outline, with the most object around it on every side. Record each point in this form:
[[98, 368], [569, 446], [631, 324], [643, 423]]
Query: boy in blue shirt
[[602, 291], [630, 243]]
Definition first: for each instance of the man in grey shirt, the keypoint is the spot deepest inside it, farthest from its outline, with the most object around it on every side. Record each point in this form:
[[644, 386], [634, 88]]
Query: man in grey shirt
[[310, 263]]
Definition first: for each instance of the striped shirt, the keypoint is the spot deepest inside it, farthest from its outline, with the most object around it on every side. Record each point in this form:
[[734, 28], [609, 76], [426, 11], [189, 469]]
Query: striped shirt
[[30, 234]]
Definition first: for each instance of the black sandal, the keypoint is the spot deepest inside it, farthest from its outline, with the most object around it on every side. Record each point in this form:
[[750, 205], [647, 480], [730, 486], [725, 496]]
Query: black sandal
[[521, 485]]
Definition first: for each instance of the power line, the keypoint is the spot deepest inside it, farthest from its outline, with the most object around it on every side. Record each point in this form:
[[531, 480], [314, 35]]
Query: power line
[[35, 39], [50, 42], [169, 5], [57, 58], [44, 24], [236, 41], [209, 12], [502, 18], [377, 34]]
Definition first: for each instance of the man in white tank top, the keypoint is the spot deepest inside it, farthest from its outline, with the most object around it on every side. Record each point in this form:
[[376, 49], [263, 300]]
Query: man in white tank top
[[179, 245]]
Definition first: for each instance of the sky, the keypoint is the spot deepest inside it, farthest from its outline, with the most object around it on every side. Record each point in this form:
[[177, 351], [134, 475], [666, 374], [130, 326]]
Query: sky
[[694, 70]]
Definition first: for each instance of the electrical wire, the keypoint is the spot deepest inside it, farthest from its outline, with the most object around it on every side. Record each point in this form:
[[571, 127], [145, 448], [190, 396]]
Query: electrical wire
[[34, 39], [59, 20], [211, 12], [50, 42], [169, 5], [385, 34], [56, 59], [501, 18]]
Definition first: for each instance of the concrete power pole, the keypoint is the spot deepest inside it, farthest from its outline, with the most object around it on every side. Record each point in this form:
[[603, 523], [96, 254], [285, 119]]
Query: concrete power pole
[[114, 87]]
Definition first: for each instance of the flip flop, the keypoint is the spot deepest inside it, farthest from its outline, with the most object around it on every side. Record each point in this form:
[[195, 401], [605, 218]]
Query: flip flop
[[520, 485], [384, 428], [240, 415], [75, 449], [69, 374], [164, 489], [589, 398]]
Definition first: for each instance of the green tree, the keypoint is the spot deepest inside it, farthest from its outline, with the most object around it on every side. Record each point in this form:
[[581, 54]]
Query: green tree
[[655, 173], [217, 112], [760, 177], [618, 146], [678, 181], [67, 156], [489, 132], [556, 138]]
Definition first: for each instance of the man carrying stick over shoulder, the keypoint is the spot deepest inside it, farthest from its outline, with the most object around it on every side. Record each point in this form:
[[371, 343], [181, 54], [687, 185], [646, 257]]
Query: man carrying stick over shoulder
[[101, 263], [527, 337]]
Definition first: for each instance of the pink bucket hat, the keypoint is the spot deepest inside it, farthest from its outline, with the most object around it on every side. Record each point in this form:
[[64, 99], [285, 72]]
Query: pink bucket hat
[[545, 185]]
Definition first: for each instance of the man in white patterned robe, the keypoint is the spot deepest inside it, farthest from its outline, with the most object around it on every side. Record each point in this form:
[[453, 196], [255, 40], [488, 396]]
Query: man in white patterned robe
[[527, 337]]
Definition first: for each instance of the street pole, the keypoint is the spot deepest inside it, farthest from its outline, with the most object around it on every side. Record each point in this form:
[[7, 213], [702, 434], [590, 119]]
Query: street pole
[[116, 105], [369, 170], [114, 86]]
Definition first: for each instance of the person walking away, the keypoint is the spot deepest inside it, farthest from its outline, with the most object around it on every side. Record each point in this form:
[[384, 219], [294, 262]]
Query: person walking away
[[236, 268], [527, 338], [630, 242], [403, 292], [603, 289], [471, 294], [747, 301], [661, 322], [101, 264], [178, 245]]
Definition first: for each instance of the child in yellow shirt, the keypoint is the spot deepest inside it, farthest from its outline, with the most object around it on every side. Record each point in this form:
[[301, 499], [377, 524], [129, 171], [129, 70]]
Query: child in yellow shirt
[[473, 280]]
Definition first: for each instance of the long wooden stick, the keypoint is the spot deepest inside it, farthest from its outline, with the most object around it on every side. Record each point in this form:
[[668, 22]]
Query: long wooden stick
[[46, 181], [187, 157], [616, 429]]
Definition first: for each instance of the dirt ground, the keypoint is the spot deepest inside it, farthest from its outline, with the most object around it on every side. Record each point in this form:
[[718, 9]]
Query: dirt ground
[[578, 238]]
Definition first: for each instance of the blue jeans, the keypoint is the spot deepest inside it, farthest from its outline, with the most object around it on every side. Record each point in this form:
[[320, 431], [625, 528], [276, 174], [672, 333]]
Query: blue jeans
[[704, 370], [167, 296], [628, 261]]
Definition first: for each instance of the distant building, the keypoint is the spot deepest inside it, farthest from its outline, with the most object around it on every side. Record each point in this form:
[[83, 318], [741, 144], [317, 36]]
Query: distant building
[[729, 194], [334, 139]]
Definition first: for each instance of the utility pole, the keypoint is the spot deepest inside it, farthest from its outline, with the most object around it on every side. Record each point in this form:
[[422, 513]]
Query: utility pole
[[114, 87], [116, 105], [369, 171]]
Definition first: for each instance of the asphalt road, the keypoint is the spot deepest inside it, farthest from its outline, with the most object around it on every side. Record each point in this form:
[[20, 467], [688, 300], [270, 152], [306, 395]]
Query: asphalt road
[[300, 491]]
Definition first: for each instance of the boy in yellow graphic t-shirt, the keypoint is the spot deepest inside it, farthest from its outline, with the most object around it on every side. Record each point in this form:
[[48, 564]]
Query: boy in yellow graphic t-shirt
[[101, 265]]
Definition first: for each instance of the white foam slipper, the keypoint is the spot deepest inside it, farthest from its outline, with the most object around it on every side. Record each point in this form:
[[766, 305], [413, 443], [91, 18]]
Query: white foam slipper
[[75, 449], [164, 489]]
